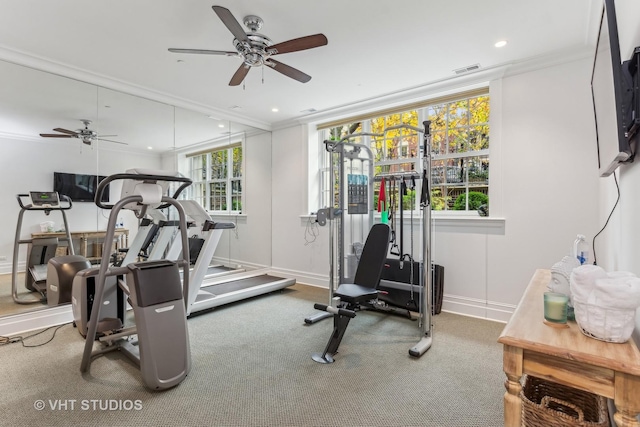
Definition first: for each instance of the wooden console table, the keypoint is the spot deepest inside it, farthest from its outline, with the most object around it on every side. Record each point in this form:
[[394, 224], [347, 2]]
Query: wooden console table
[[97, 237], [566, 356]]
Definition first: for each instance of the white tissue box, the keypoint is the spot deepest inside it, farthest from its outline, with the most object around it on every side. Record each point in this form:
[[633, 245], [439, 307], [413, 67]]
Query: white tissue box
[[604, 323]]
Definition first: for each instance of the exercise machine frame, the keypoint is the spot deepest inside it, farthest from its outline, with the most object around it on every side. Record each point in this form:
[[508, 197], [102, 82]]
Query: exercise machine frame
[[46, 207], [342, 316], [153, 367]]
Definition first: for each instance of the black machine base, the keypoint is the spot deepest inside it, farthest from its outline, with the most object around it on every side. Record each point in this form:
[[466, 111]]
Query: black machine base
[[396, 289]]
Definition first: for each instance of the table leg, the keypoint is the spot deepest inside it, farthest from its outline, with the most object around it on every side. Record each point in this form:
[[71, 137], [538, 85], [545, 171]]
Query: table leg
[[512, 365], [627, 400]]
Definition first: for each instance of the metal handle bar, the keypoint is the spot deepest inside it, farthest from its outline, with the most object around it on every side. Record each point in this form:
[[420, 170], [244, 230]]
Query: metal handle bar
[[140, 177], [30, 207]]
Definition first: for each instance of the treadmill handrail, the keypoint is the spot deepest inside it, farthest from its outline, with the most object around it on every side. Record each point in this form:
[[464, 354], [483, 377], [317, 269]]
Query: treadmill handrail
[[29, 207]]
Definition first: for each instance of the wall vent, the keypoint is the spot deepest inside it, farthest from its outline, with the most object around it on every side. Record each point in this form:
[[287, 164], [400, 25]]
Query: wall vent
[[467, 69]]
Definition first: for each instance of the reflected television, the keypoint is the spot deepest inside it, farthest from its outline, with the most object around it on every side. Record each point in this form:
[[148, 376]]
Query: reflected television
[[78, 187]]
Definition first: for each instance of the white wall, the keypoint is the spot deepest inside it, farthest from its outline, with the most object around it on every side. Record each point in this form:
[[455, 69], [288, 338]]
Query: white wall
[[28, 165], [249, 244], [548, 181], [542, 141], [290, 254]]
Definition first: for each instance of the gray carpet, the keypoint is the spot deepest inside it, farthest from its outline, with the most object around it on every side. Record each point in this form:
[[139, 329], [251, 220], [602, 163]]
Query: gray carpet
[[252, 367]]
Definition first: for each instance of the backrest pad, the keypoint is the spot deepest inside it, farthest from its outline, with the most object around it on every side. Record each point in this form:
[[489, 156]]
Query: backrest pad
[[374, 254]]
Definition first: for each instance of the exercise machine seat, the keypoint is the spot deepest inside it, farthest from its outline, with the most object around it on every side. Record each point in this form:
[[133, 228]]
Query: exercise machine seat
[[372, 259]]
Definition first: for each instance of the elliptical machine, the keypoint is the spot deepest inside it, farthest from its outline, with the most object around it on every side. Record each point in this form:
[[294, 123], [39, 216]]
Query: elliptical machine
[[152, 288]]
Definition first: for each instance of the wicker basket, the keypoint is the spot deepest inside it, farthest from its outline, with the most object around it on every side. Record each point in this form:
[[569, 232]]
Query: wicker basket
[[603, 323], [547, 404]]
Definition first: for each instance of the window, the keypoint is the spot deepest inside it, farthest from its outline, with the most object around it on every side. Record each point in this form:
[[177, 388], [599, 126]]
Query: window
[[217, 179], [459, 147]]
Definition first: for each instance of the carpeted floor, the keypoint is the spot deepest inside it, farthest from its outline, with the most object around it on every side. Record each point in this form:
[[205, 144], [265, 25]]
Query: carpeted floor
[[252, 367]]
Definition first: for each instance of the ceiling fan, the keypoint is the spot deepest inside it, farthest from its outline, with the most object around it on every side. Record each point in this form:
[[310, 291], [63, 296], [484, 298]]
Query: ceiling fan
[[86, 135], [256, 49]]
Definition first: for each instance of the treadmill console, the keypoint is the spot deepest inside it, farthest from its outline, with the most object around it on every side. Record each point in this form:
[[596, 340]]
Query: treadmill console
[[44, 199]]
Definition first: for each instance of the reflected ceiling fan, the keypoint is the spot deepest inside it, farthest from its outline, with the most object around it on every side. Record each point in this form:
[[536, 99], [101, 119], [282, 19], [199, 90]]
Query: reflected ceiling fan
[[86, 135], [256, 49]]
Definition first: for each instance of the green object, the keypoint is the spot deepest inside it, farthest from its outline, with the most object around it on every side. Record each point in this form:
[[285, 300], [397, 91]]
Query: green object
[[555, 307], [384, 217], [476, 199]]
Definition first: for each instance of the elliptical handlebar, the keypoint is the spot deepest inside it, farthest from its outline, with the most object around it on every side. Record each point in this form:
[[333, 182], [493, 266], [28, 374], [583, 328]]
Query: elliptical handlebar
[[140, 177]]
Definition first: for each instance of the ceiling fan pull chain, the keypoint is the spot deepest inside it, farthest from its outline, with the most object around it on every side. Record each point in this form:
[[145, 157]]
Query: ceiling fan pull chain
[[262, 74]]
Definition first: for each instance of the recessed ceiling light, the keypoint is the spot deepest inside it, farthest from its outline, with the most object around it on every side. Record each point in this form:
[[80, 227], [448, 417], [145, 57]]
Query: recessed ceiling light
[[501, 43], [274, 109], [149, 148], [220, 125]]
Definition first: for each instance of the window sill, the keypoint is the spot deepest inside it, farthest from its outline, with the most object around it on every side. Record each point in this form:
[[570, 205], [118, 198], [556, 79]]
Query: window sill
[[465, 223], [226, 214], [469, 224]]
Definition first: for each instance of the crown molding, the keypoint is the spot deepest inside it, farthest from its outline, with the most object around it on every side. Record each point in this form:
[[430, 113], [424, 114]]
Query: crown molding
[[64, 70]]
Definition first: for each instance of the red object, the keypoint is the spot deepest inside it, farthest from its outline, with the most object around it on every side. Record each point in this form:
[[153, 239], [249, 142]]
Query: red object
[[382, 198]]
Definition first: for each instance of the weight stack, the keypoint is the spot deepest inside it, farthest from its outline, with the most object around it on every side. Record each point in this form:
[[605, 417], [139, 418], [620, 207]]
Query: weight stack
[[396, 283]]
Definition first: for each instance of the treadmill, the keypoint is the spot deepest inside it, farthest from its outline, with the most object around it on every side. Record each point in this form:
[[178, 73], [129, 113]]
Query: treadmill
[[206, 292]]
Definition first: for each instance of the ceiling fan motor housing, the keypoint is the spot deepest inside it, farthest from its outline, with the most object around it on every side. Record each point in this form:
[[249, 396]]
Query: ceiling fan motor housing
[[254, 52]]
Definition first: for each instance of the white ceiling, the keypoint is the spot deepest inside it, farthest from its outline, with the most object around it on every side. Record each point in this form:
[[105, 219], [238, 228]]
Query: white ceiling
[[375, 48]]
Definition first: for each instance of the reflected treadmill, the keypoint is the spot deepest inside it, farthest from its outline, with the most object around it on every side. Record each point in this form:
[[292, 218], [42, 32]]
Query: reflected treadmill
[[206, 293]]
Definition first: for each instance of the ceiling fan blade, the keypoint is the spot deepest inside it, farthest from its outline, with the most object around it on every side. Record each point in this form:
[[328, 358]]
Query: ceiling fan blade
[[302, 43], [203, 51], [70, 132], [288, 71], [110, 140], [231, 23], [239, 75], [56, 135]]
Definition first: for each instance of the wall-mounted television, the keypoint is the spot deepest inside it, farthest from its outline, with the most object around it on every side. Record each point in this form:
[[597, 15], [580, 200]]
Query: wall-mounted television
[[78, 187], [613, 92]]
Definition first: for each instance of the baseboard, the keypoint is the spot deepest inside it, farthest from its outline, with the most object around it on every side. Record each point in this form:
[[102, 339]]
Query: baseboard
[[6, 267], [236, 263], [464, 306], [479, 308], [44, 318], [305, 278], [473, 307]]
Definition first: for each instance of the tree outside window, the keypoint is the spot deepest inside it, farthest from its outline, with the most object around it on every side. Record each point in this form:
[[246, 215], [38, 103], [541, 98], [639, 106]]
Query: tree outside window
[[459, 144]]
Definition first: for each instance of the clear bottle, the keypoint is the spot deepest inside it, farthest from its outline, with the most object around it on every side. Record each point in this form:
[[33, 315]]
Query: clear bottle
[[581, 249]]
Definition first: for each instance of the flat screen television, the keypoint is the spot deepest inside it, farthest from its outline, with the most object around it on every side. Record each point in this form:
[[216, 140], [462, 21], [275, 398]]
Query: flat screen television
[[78, 187], [612, 89]]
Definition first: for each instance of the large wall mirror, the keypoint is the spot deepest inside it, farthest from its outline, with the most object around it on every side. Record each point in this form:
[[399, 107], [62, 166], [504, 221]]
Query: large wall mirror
[[132, 132]]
